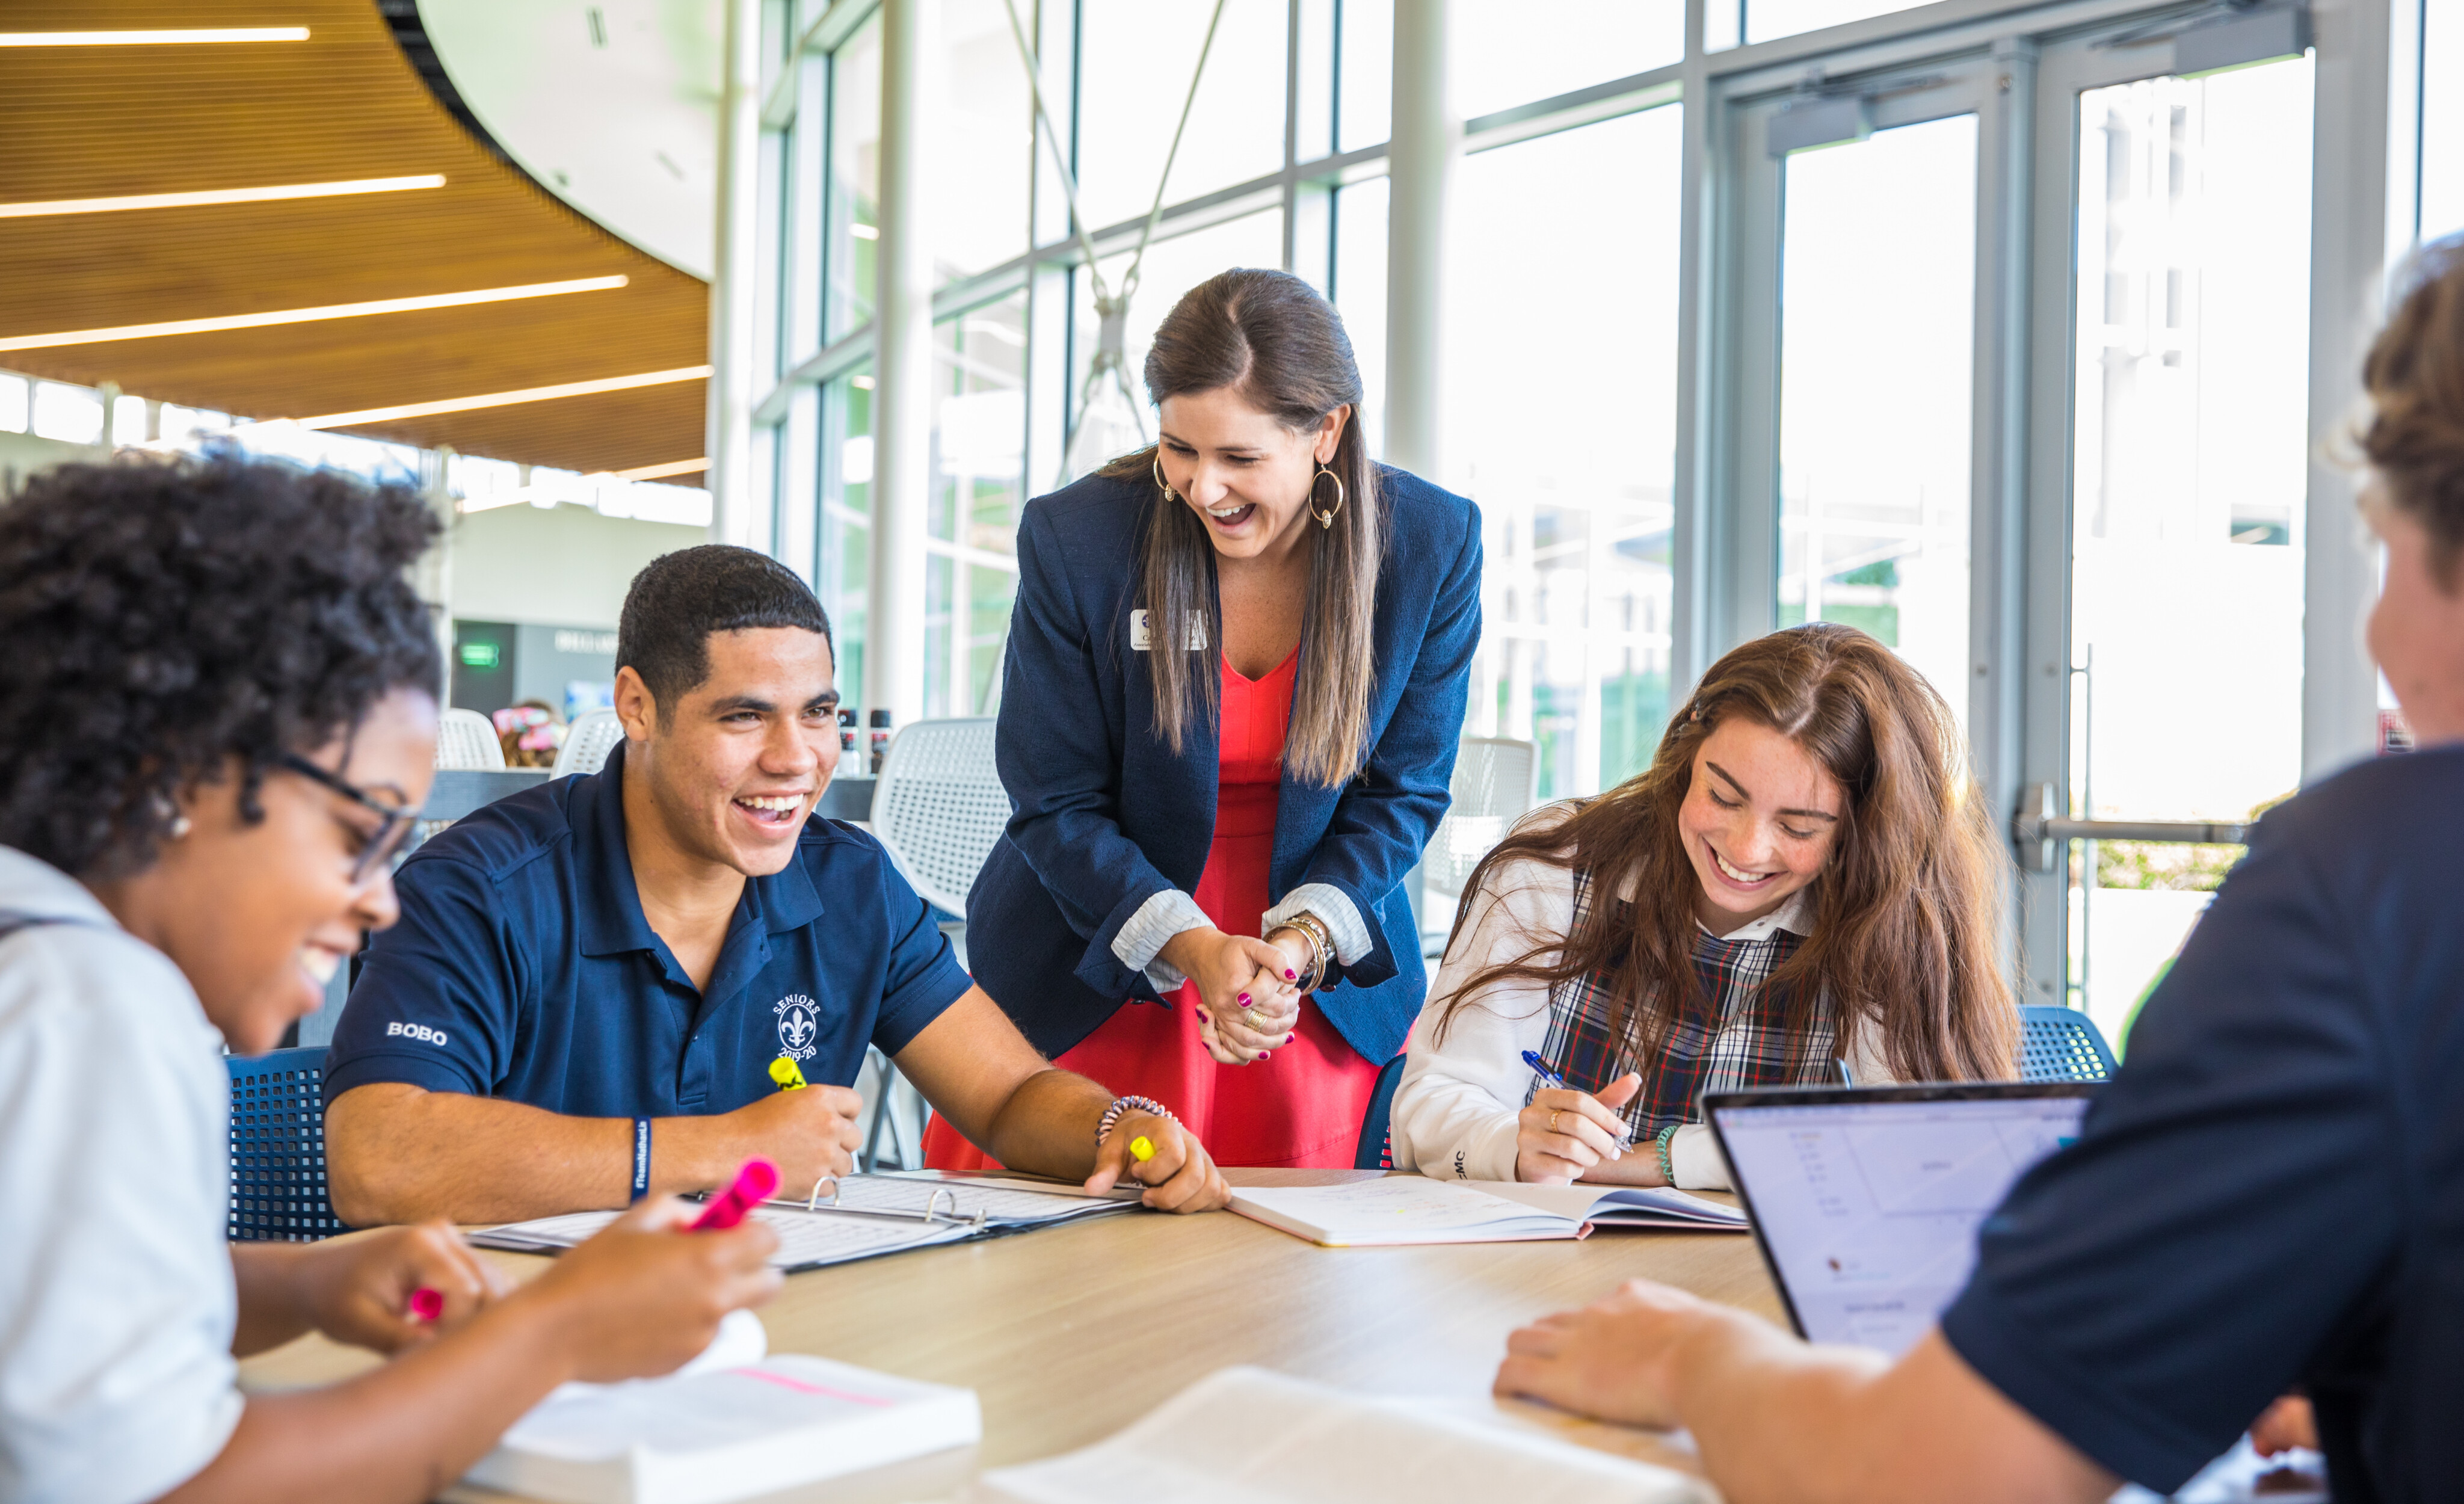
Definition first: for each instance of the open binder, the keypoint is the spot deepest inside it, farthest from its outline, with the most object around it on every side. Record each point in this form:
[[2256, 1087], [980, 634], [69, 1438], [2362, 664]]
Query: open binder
[[852, 1217]]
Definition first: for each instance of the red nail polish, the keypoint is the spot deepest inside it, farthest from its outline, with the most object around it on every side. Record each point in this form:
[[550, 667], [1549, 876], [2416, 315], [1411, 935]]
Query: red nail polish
[[1265, 1055], [1288, 1038], [1245, 1000], [1289, 975]]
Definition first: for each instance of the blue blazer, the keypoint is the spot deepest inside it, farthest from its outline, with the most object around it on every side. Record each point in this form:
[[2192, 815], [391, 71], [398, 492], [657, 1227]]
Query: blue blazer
[[1104, 817]]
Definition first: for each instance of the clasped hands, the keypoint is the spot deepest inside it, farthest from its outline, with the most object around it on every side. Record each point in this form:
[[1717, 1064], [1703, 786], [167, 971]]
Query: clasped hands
[[1248, 989]]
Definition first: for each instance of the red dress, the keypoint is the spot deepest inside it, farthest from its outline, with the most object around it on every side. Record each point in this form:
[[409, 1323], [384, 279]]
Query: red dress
[[1302, 1105]]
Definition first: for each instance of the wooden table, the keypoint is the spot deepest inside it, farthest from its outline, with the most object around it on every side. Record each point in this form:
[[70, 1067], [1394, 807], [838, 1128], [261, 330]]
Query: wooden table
[[1067, 1335]]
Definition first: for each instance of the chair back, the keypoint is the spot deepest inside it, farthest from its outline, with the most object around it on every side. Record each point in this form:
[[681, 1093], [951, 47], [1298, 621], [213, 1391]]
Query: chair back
[[277, 1149], [938, 807], [2061, 1044], [1376, 1150], [1496, 783], [466, 739], [588, 742]]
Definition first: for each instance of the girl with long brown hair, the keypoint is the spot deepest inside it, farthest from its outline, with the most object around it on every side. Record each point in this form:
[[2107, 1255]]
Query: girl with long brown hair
[[1805, 881], [1235, 680]]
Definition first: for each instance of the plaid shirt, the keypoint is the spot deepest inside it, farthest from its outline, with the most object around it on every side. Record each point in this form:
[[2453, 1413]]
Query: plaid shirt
[[1742, 1041]]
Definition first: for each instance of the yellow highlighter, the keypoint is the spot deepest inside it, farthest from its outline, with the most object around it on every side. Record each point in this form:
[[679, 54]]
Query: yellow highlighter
[[1141, 1147], [785, 1073]]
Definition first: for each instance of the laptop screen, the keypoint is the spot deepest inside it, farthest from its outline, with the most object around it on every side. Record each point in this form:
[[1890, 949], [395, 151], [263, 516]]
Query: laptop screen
[[1867, 1203]]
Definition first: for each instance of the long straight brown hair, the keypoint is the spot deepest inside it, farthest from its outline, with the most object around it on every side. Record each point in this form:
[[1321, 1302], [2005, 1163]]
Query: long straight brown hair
[[1906, 911], [1271, 338]]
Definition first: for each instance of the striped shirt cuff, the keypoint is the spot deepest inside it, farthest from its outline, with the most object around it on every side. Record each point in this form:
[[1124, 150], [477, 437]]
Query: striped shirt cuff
[[1333, 910], [1139, 944]]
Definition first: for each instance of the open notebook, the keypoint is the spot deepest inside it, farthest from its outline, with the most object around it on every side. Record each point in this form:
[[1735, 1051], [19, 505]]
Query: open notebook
[[1247, 1436], [1412, 1209], [871, 1215]]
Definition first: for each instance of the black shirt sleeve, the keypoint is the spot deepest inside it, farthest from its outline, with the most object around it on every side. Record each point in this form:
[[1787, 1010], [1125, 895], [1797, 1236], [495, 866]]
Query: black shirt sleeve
[[2234, 1193]]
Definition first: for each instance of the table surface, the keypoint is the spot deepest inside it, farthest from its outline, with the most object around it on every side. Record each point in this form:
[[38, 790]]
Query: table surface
[[1069, 1332]]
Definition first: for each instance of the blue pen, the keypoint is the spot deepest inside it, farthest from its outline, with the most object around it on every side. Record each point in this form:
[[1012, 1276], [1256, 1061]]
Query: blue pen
[[1532, 1058], [1540, 1068]]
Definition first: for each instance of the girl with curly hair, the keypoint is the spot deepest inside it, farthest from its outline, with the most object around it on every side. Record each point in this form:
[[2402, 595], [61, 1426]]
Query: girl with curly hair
[[220, 695]]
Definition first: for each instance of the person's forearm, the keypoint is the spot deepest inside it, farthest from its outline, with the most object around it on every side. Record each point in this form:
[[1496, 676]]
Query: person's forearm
[[1048, 1126], [403, 1432], [1775, 1420], [270, 1311], [398, 1154]]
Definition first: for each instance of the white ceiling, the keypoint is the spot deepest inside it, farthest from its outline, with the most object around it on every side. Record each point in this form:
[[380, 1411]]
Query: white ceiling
[[612, 106]]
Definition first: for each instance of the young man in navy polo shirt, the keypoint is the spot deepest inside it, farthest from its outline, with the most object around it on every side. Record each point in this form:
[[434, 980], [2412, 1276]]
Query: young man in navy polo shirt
[[592, 981], [2270, 1194]]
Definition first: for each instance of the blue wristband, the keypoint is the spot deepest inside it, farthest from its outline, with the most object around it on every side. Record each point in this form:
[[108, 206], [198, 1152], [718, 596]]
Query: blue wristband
[[641, 1158]]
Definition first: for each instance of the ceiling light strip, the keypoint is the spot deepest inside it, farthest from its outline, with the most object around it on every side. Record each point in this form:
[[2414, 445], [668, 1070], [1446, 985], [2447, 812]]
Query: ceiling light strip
[[260, 321], [673, 467], [217, 33], [243, 195], [505, 399]]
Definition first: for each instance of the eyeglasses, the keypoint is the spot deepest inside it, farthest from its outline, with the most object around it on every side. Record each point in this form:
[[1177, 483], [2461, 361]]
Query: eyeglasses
[[388, 837]]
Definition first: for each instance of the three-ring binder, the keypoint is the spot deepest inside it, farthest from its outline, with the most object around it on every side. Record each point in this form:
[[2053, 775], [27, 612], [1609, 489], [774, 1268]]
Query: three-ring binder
[[931, 1216]]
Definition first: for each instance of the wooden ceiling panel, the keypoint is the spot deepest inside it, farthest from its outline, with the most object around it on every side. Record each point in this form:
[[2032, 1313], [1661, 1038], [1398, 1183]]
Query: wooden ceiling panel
[[94, 122]]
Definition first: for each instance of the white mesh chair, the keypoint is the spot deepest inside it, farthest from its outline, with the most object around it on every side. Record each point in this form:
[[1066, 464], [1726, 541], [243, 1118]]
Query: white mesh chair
[[938, 807], [1496, 783], [588, 742], [466, 739]]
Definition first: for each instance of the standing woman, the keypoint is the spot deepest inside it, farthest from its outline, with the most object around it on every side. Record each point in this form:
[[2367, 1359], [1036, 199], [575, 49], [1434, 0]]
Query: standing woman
[[1235, 680]]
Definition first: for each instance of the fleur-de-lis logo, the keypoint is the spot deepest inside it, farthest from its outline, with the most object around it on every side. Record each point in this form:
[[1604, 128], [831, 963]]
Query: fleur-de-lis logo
[[799, 1021]]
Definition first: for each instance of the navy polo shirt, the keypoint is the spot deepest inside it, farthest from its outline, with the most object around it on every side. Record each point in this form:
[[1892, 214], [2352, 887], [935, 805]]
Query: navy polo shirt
[[523, 968], [2271, 1193]]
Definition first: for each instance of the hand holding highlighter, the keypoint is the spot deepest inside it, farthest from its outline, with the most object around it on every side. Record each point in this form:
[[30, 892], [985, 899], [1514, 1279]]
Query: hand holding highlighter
[[753, 1186]]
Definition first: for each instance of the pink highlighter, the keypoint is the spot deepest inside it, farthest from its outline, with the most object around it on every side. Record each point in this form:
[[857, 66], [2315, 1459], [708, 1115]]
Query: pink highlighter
[[753, 1186]]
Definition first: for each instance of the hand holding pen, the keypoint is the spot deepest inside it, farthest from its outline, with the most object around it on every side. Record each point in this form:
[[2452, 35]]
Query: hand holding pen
[[1563, 1131]]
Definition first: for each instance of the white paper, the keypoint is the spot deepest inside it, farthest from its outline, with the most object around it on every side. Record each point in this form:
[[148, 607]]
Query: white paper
[[1589, 1203], [1299, 1443], [963, 1199], [804, 1238]]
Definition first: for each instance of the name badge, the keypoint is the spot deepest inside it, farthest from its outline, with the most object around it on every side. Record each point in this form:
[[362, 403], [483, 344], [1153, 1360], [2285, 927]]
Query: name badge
[[1142, 640]]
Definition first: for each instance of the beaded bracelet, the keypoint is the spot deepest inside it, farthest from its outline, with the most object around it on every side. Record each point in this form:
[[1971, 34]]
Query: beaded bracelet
[[1660, 1146], [1121, 1107]]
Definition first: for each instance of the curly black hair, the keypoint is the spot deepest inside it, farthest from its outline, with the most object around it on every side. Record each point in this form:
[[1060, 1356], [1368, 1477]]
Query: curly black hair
[[166, 621]]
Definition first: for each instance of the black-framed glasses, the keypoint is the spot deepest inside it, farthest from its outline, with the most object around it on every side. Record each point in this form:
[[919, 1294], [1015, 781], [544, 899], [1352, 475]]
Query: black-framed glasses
[[388, 837]]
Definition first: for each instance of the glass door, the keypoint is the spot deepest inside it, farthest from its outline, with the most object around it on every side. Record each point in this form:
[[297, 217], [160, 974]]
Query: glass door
[[1856, 396], [2187, 380]]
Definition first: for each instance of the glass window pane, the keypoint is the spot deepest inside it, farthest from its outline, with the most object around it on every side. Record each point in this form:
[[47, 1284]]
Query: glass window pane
[[1135, 59], [1766, 19], [981, 141], [72, 414], [2442, 119], [2192, 413], [1561, 422], [978, 484], [1365, 75], [1506, 53], [1875, 408], [13, 403], [1360, 295], [1117, 418], [844, 541], [855, 181]]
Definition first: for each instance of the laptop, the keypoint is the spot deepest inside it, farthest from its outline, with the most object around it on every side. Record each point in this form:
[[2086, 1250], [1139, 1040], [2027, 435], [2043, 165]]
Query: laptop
[[1865, 1200]]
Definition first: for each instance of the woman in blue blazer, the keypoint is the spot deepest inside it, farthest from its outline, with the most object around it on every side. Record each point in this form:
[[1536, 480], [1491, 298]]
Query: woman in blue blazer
[[1224, 830]]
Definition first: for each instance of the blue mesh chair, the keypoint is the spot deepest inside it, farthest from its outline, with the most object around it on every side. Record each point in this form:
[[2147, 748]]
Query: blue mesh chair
[[277, 1148], [1376, 1147], [2061, 1044]]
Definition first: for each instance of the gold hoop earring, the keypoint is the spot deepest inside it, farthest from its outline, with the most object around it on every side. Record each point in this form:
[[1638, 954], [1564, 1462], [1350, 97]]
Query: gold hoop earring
[[1161, 484], [1325, 519]]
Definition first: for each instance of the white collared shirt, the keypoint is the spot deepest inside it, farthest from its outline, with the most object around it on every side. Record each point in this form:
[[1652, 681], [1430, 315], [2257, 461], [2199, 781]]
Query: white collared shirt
[[116, 1305]]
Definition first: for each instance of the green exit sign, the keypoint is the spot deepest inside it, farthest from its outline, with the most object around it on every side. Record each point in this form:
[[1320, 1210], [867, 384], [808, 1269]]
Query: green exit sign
[[479, 654]]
